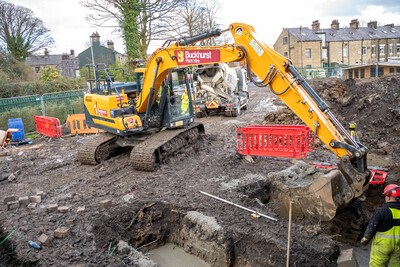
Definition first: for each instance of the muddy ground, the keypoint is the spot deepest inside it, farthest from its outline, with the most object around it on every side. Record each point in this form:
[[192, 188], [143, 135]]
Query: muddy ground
[[148, 210]]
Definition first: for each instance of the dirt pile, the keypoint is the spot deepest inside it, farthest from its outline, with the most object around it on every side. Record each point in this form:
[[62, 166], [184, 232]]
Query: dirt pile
[[373, 104]]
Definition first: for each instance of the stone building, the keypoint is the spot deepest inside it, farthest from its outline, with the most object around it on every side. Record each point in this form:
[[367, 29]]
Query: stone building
[[100, 54], [67, 64], [334, 47]]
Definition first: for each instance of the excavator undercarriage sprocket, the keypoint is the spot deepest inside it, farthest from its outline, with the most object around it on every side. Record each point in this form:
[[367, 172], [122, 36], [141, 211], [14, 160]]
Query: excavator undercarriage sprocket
[[157, 148]]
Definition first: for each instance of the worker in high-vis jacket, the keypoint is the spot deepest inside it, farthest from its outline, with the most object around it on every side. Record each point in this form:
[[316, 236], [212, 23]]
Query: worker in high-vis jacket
[[185, 103], [384, 230]]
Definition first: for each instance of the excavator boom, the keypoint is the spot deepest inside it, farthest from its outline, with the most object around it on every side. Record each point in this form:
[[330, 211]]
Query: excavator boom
[[276, 72]]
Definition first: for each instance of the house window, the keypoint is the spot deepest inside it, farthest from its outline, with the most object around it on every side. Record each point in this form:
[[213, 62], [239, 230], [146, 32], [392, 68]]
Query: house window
[[381, 49], [398, 69], [364, 51], [285, 40], [373, 50], [362, 73], [285, 54], [380, 71], [308, 52], [37, 69], [350, 74], [345, 51], [398, 49], [356, 73], [391, 70], [372, 71]]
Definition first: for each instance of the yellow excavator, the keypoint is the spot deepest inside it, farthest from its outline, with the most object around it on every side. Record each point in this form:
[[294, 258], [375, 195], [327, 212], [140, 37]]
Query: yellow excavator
[[149, 125]]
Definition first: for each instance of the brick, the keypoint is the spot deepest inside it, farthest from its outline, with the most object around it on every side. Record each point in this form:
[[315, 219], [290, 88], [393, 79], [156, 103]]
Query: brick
[[63, 209], [31, 206], [347, 259], [105, 204], [51, 207], [23, 201], [61, 232], [44, 239], [35, 199], [12, 205], [9, 199], [80, 209]]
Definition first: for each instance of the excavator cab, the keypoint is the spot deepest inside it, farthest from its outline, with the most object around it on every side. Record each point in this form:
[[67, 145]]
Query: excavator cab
[[175, 99]]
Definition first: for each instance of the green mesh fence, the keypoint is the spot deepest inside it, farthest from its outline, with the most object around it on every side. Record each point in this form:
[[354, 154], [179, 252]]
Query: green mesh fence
[[57, 105]]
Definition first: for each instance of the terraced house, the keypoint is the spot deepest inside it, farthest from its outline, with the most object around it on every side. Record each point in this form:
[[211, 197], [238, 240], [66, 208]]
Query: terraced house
[[329, 51]]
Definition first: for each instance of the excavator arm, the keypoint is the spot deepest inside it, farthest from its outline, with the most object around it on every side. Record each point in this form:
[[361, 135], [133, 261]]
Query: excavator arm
[[273, 70]]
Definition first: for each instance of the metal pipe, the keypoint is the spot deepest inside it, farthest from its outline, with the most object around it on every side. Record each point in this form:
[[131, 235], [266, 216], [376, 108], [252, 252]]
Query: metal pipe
[[236, 205], [289, 235]]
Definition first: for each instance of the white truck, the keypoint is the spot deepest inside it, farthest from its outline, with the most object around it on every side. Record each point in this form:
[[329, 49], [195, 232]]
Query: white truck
[[221, 89]]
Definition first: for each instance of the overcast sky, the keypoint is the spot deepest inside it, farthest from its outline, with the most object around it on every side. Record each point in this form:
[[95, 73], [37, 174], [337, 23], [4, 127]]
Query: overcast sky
[[66, 19]]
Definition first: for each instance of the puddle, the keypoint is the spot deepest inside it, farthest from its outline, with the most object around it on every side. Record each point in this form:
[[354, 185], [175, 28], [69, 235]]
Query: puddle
[[171, 255]]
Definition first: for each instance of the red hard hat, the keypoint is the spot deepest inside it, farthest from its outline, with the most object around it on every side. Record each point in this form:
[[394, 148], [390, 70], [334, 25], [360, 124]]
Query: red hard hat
[[392, 190]]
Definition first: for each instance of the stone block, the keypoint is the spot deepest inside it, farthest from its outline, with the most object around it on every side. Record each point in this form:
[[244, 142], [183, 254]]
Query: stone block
[[9, 199], [12, 205], [347, 258], [23, 201], [31, 206], [35, 199], [44, 239], [61, 232], [51, 207], [63, 209], [80, 209], [105, 204], [40, 193]]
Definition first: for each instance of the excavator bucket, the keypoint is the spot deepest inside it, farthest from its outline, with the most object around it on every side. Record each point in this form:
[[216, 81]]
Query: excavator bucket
[[316, 194]]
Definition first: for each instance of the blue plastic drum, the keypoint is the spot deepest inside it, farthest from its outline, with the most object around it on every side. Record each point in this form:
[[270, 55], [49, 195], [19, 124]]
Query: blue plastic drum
[[17, 123]]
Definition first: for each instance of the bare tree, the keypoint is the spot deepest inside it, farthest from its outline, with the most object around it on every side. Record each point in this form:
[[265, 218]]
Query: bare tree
[[21, 32], [198, 16], [140, 21]]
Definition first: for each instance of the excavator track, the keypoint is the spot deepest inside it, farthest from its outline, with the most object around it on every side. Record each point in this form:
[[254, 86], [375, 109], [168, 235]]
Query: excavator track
[[147, 155], [96, 148]]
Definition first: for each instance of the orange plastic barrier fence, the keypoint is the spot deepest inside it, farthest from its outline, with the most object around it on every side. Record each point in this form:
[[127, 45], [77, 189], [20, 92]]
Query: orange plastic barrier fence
[[48, 126], [285, 141], [77, 125]]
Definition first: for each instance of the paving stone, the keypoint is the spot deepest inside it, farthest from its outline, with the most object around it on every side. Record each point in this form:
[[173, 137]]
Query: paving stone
[[9, 199], [80, 209], [51, 207], [12, 205], [35, 199], [61, 232], [105, 204], [63, 209], [347, 259], [44, 239], [23, 201], [32, 206]]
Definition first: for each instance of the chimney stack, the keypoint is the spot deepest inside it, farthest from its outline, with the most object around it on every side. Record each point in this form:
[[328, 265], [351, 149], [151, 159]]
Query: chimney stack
[[372, 24], [354, 24], [315, 25], [72, 52], [46, 52], [95, 37], [110, 44], [335, 24]]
